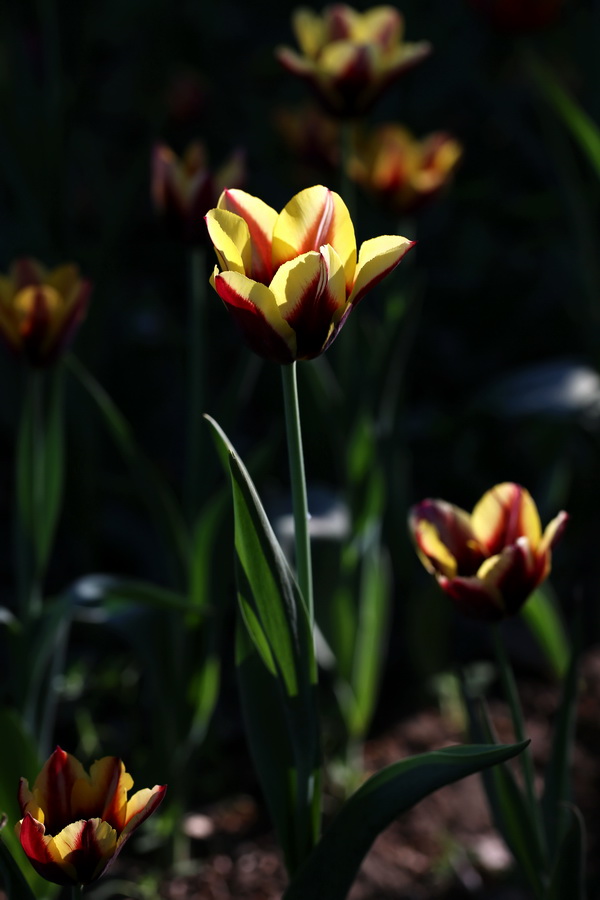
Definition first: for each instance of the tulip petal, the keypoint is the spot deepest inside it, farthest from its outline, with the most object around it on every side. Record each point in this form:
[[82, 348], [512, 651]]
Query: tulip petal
[[309, 291], [553, 532], [513, 573], [505, 513], [42, 853], [309, 30], [382, 25], [376, 259], [103, 793], [87, 846], [254, 309], [474, 598], [53, 787], [140, 806], [314, 217], [432, 552], [64, 279], [260, 219], [26, 271], [231, 238]]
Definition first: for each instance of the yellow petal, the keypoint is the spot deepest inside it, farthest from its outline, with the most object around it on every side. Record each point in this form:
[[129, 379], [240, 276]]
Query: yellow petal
[[260, 219], [63, 279], [231, 238], [382, 25], [314, 217], [309, 30], [553, 531], [434, 555], [297, 282], [505, 513], [242, 291], [377, 257]]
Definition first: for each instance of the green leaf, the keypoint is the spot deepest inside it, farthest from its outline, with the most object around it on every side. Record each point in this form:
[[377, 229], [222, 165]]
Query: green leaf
[[511, 813], [542, 617], [329, 871], [557, 781], [11, 878], [18, 759], [568, 876], [276, 622], [582, 127]]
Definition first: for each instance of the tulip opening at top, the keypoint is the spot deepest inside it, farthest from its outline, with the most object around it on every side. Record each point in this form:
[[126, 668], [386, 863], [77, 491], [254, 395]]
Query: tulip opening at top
[[290, 279], [491, 560], [75, 824], [350, 57], [40, 310]]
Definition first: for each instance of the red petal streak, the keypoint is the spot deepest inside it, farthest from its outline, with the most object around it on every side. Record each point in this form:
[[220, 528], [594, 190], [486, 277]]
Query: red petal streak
[[262, 268], [32, 840], [312, 316], [473, 599], [257, 332]]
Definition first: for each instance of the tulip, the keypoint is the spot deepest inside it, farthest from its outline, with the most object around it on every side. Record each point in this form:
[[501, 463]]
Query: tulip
[[40, 310], [291, 279], [74, 825], [311, 135], [402, 171], [490, 561], [184, 189], [350, 57], [519, 15]]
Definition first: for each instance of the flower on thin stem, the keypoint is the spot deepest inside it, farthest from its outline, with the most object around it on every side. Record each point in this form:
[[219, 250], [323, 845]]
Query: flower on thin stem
[[75, 824], [185, 188], [402, 171], [291, 279], [489, 561], [41, 309], [349, 57]]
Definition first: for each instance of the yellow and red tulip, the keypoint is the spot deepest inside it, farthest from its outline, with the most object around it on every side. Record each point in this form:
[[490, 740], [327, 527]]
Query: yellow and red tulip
[[491, 560], [290, 279], [350, 57], [40, 310], [75, 824], [184, 188], [519, 15], [401, 170]]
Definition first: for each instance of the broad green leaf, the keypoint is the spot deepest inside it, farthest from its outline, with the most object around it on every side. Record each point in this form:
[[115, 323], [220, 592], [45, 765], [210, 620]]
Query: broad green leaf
[[557, 781], [512, 816], [12, 879], [582, 127], [277, 624], [568, 875], [329, 871], [545, 624], [18, 759]]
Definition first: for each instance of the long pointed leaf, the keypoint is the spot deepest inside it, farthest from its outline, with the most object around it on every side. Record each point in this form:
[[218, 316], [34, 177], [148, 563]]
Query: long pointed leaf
[[568, 877], [332, 866], [545, 624]]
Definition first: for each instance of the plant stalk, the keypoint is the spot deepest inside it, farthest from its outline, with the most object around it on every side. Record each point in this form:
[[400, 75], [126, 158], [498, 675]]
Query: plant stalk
[[298, 482], [196, 326]]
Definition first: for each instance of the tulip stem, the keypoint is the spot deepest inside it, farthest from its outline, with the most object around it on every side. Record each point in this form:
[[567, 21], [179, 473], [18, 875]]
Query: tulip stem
[[196, 367], [298, 482], [76, 891], [509, 686]]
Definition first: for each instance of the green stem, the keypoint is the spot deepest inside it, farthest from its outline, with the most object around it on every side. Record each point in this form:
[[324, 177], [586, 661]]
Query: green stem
[[298, 481], [509, 687], [76, 891], [196, 368]]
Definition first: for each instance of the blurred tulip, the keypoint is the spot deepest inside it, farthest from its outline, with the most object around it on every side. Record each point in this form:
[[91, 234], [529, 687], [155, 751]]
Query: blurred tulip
[[74, 825], [291, 279], [184, 189], [490, 561], [40, 310], [350, 57], [402, 171], [519, 15]]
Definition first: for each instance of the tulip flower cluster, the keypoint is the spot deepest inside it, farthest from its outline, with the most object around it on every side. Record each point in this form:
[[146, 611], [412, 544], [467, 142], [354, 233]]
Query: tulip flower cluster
[[349, 57], [402, 171], [40, 310], [489, 561], [291, 279], [75, 824]]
